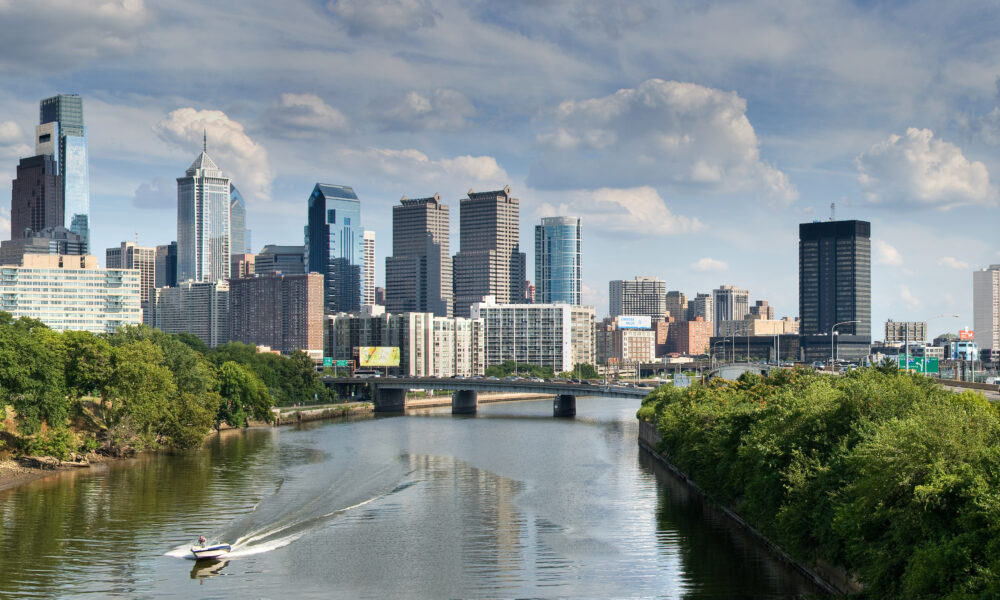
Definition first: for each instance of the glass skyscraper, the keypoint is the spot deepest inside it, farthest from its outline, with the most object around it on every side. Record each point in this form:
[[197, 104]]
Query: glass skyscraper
[[558, 260], [239, 235], [65, 114], [203, 222], [335, 245]]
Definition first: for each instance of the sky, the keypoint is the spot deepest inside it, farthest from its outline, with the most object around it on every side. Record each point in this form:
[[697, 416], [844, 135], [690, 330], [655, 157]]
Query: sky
[[692, 138]]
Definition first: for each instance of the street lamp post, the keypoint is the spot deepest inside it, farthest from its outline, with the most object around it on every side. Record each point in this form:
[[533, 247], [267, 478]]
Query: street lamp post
[[723, 342], [832, 338]]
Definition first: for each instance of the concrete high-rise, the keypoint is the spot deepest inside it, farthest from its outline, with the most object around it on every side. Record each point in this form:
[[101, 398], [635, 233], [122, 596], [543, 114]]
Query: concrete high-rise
[[51, 240], [36, 196], [284, 312], [640, 296], [701, 306], [986, 307], [559, 260], [730, 303], [289, 260], [203, 202], [142, 258], [835, 287], [489, 262], [200, 308], [61, 133], [239, 235], [418, 275], [335, 245], [677, 306], [368, 286]]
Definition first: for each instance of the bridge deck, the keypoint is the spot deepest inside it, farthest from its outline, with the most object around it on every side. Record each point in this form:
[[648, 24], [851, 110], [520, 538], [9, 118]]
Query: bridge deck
[[495, 385]]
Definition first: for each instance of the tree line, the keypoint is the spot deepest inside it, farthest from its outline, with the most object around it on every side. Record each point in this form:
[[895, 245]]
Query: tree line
[[882, 472], [138, 388]]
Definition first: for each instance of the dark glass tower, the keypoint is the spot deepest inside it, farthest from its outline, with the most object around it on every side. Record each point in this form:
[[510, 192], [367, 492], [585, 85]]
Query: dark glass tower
[[835, 278], [239, 235], [418, 274], [36, 196], [61, 129], [335, 245]]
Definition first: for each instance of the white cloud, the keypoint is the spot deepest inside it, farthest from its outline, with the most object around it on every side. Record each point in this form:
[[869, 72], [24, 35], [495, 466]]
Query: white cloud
[[10, 132], [918, 169], [658, 133], [4, 222], [239, 157], [887, 255], [953, 263], [383, 16], [303, 116], [161, 193], [444, 110], [636, 211], [908, 299], [706, 264], [407, 166], [62, 34]]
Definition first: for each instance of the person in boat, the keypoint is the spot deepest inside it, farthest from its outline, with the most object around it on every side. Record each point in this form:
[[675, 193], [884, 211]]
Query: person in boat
[[201, 540]]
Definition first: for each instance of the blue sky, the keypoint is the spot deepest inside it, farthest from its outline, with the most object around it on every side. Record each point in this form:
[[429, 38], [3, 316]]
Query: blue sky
[[691, 137]]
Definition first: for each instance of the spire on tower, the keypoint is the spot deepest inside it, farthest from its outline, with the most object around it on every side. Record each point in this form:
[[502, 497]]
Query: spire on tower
[[204, 141]]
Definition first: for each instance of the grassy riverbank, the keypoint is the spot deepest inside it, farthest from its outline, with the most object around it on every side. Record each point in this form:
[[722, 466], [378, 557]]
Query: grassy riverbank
[[882, 472]]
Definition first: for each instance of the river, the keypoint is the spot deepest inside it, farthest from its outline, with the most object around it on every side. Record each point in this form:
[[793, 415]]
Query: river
[[508, 503]]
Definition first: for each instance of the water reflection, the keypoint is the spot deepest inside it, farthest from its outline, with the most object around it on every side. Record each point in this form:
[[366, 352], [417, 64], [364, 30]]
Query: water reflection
[[207, 568]]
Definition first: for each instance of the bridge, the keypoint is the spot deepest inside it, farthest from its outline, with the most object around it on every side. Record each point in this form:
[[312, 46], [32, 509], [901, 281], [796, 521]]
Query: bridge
[[389, 393], [733, 371]]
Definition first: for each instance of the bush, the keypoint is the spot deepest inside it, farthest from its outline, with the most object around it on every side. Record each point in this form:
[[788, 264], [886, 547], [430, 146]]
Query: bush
[[54, 442]]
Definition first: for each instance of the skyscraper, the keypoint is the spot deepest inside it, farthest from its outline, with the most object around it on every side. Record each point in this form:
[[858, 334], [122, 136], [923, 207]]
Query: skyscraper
[[558, 260], [640, 296], [489, 262], [730, 304], [986, 307], [418, 275], [166, 265], [131, 256], [62, 133], [368, 291], [677, 306], [239, 235], [36, 196], [835, 287], [335, 245], [203, 222]]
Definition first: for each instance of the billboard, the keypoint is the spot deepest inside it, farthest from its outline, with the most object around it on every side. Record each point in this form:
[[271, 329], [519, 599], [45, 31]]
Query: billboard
[[634, 322], [378, 356], [966, 334]]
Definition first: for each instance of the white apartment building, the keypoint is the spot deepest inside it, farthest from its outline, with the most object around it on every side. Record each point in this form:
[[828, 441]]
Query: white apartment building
[[143, 258], [197, 307], [71, 293], [547, 335], [986, 307]]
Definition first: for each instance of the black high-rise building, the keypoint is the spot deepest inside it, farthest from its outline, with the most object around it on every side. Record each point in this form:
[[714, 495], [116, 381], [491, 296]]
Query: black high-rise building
[[36, 196], [835, 287], [166, 265], [418, 276]]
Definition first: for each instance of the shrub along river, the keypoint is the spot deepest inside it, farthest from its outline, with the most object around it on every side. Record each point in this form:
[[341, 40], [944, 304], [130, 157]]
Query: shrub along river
[[508, 503]]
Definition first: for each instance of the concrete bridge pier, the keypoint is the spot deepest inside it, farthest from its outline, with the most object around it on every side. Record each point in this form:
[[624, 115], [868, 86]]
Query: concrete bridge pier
[[564, 405], [464, 402], [390, 400]]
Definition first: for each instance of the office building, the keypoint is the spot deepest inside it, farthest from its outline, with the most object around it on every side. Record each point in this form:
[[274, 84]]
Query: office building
[[379, 295], [898, 333], [418, 275], [51, 240], [142, 258], [203, 222], [36, 201], [762, 310], [730, 304], [547, 335], [289, 260], [428, 345], [70, 293], [690, 338], [646, 296], [200, 308], [239, 235], [284, 312], [558, 260], [242, 265], [986, 307], [335, 245], [166, 265], [489, 262], [61, 132], [835, 288], [677, 305], [702, 306], [368, 279], [624, 344]]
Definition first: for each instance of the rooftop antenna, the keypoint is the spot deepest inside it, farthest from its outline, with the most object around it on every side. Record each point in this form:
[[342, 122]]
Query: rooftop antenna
[[833, 211]]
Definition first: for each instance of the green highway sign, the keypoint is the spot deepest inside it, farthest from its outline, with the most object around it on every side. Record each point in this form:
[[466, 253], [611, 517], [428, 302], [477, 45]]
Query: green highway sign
[[920, 364], [327, 361], [343, 363]]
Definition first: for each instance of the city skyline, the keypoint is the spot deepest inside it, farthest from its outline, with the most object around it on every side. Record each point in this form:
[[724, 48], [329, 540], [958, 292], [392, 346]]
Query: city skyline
[[707, 152]]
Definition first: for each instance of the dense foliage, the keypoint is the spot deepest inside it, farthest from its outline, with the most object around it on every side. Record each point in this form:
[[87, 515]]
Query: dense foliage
[[137, 388], [509, 367], [882, 472]]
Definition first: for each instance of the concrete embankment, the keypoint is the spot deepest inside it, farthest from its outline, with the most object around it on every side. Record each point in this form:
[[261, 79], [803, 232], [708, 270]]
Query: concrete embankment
[[284, 415], [834, 580]]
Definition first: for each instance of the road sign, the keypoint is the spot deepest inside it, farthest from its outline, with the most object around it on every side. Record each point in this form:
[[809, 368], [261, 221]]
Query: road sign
[[920, 364], [342, 363], [327, 361], [681, 380]]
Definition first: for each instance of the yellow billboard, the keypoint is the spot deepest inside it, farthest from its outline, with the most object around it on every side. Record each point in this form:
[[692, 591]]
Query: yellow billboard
[[378, 356]]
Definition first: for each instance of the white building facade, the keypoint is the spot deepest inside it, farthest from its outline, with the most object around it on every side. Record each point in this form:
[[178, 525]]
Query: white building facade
[[199, 308], [203, 205], [986, 307]]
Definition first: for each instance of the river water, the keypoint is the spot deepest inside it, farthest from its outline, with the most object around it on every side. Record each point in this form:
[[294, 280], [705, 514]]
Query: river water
[[508, 503]]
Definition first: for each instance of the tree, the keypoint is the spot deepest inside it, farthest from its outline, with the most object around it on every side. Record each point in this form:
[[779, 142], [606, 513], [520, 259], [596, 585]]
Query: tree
[[31, 375], [243, 395], [88, 363], [137, 395]]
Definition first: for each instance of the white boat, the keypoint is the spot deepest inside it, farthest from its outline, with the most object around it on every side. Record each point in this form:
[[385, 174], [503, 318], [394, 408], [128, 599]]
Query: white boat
[[211, 551]]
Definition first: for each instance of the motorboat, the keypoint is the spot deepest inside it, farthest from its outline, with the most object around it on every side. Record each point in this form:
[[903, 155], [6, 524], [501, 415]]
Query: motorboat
[[210, 551]]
